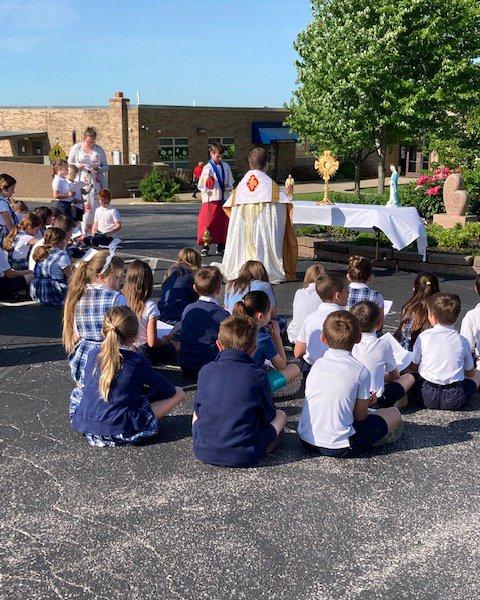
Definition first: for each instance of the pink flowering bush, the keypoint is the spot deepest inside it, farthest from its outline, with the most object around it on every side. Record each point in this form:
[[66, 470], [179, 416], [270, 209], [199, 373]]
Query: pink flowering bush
[[430, 189]]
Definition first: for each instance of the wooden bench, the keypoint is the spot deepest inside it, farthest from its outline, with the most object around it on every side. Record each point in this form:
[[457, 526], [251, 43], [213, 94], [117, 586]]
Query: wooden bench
[[132, 187]]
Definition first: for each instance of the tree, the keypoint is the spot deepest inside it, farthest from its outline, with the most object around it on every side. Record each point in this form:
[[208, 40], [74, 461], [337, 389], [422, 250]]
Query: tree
[[375, 74]]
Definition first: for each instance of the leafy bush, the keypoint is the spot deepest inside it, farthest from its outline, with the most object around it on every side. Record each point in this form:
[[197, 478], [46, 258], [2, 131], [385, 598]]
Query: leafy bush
[[158, 187]]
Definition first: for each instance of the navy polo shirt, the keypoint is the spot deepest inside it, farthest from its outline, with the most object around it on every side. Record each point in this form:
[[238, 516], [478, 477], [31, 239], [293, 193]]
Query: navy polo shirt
[[177, 294], [124, 412], [234, 408], [265, 347], [200, 324]]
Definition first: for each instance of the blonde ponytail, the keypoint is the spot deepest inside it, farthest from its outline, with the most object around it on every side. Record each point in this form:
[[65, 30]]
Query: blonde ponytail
[[52, 238], [120, 326]]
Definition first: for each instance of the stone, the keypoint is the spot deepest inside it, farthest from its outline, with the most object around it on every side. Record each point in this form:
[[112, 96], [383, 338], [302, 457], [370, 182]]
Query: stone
[[455, 198], [449, 221]]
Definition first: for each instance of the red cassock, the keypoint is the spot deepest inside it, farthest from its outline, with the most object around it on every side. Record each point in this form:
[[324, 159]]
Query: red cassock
[[212, 217]]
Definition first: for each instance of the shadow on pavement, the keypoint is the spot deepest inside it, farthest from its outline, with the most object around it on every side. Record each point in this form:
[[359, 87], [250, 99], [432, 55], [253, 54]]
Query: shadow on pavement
[[25, 355]]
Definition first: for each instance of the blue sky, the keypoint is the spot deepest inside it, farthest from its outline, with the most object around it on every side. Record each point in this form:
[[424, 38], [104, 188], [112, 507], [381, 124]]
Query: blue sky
[[218, 53]]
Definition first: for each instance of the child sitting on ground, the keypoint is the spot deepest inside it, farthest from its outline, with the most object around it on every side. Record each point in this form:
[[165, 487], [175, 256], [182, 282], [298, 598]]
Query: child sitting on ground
[[62, 222], [20, 209], [414, 313], [305, 301], [61, 188], [138, 291], [252, 277], [177, 287], [256, 305], [360, 274], [443, 359], [116, 409], [200, 323], [332, 288], [470, 328], [12, 281], [45, 214], [336, 420], [234, 422], [20, 240], [52, 269], [106, 223], [376, 354]]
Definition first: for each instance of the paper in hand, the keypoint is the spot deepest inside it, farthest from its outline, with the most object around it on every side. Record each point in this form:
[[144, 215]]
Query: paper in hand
[[163, 329], [387, 306]]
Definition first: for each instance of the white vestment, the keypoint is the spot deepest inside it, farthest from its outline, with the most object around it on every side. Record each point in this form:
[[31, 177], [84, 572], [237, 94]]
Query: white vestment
[[259, 215]]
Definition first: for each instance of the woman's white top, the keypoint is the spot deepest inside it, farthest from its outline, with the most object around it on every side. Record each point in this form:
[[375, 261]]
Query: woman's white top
[[96, 157], [305, 302]]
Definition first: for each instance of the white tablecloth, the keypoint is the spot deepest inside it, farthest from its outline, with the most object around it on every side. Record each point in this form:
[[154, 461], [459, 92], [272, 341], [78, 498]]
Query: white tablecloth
[[402, 225]]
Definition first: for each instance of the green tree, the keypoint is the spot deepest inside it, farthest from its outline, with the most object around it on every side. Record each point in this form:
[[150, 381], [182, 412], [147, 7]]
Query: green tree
[[374, 74]]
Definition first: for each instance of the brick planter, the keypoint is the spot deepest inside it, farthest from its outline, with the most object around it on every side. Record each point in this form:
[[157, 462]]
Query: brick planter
[[437, 262]]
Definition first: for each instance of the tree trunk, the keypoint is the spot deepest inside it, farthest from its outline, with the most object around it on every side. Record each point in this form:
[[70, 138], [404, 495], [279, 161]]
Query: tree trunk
[[358, 165], [381, 146]]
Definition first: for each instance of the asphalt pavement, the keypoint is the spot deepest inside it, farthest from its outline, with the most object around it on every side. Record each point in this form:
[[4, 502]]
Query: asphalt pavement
[[151, 522]]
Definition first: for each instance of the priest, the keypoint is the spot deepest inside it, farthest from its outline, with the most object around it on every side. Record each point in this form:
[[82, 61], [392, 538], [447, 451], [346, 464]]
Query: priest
[[260, 226]]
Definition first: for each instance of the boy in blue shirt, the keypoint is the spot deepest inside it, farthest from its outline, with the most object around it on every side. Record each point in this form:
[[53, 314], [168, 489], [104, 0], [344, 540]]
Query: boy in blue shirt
[[200, 323], [235, 422]]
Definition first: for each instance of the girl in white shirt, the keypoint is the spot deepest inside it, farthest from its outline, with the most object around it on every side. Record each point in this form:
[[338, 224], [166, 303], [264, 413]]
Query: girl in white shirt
[[20, 240], [138, 290], [305, 302], [61, 187], [8, 219]]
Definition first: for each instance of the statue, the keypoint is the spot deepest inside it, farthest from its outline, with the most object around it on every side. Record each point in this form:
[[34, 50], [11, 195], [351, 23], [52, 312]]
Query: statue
[[327, 166], [455, 199], [289, 186], [394, 199]]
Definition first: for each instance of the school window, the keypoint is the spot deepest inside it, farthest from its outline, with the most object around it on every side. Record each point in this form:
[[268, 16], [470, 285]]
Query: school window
[[174, 152], [229, 145]]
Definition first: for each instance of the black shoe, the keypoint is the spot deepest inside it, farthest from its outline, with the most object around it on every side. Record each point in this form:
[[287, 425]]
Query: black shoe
[[220, 249]]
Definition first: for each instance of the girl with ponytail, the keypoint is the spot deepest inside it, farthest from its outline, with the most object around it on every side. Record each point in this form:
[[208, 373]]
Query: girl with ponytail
[[123, 396], [18, 243], [52, 269], [269, 340], [93, 290]]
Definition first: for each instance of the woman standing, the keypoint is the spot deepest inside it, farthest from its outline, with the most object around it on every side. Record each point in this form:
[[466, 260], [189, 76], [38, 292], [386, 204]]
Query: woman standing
[[91, 161]]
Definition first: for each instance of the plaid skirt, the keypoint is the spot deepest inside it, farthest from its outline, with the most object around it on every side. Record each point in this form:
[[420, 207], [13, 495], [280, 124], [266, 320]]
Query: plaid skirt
[[78, 359], [19, 264], [46, 290]]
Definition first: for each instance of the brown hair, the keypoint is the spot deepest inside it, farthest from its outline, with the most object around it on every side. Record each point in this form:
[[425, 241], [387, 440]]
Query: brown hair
[[43, 213], [252, 303], [31, 220], [359, 268], [416, 309], [216, 146], [52, 237], [120, 326], [329, 284], [250, 271], [59, 162], [341, 330], [238, 332], [258, 158], [65, 223], [89, 131], [105, 195], [444, 307], [138, 286], [83, 274], [6, 181], [20, 205], [187, 257], [72, 167], [368, 315], [207, 281], [313, 273]]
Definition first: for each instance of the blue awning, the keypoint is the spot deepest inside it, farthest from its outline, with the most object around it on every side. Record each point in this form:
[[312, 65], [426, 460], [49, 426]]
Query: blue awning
[[266, 132]]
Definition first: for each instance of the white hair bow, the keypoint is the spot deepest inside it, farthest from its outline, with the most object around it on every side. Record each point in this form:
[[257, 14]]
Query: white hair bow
[[111, 249]]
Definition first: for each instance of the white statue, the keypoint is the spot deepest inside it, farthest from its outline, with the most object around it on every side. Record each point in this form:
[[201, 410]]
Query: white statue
[[394, 199]]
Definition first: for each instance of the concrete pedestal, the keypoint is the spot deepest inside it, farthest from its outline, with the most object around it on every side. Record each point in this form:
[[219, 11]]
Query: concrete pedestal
[[450, 221]]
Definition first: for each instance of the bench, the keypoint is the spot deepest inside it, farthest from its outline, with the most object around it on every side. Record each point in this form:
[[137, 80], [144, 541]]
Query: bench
[[132, 187]]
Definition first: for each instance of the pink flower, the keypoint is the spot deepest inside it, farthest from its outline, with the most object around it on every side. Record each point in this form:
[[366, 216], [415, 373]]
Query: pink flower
[[433, 191], [421, 180]]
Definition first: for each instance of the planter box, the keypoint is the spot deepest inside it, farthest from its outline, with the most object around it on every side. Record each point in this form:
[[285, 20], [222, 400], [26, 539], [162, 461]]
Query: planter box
[[437, 262]]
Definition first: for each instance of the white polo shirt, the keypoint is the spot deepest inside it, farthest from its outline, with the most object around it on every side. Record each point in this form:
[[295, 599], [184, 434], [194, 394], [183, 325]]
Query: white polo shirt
[[377, 355], [470, 329], [333, 386], [312, 329], [305, 301], [60, 185], [31, 262], [21, 246], [442, 355], [106, 218]]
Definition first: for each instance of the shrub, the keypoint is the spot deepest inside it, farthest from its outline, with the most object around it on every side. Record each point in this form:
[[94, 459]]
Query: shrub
[[158, 187]]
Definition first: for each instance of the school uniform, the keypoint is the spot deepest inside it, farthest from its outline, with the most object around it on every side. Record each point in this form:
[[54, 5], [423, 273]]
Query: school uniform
[[359, 292], [265, 348], [77, 205], [9, 285], [61, 185], [256, 285], [312, 329], [376, 354], [126, 417], [6, 207], [443, 356], [49, 284], [199, 331], [305, 302], [327, 422], [234, 407], [18, 256], [158, 354], [470, 329], [106, 218], [177, 293]]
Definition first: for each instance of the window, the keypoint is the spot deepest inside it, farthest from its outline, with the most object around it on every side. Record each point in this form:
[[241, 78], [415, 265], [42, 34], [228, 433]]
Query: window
[[412, 160], [174, 152], [425, 161], [229, 144]]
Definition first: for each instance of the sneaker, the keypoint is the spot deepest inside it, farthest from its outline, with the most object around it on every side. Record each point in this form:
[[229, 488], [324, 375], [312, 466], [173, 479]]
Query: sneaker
[[204, 251], [401, 403]]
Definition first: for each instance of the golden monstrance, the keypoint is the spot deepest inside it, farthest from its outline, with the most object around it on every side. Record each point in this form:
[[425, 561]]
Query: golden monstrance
[[327, 165]]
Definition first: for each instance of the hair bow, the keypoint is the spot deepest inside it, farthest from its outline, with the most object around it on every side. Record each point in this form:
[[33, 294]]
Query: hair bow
[[111, 253]]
